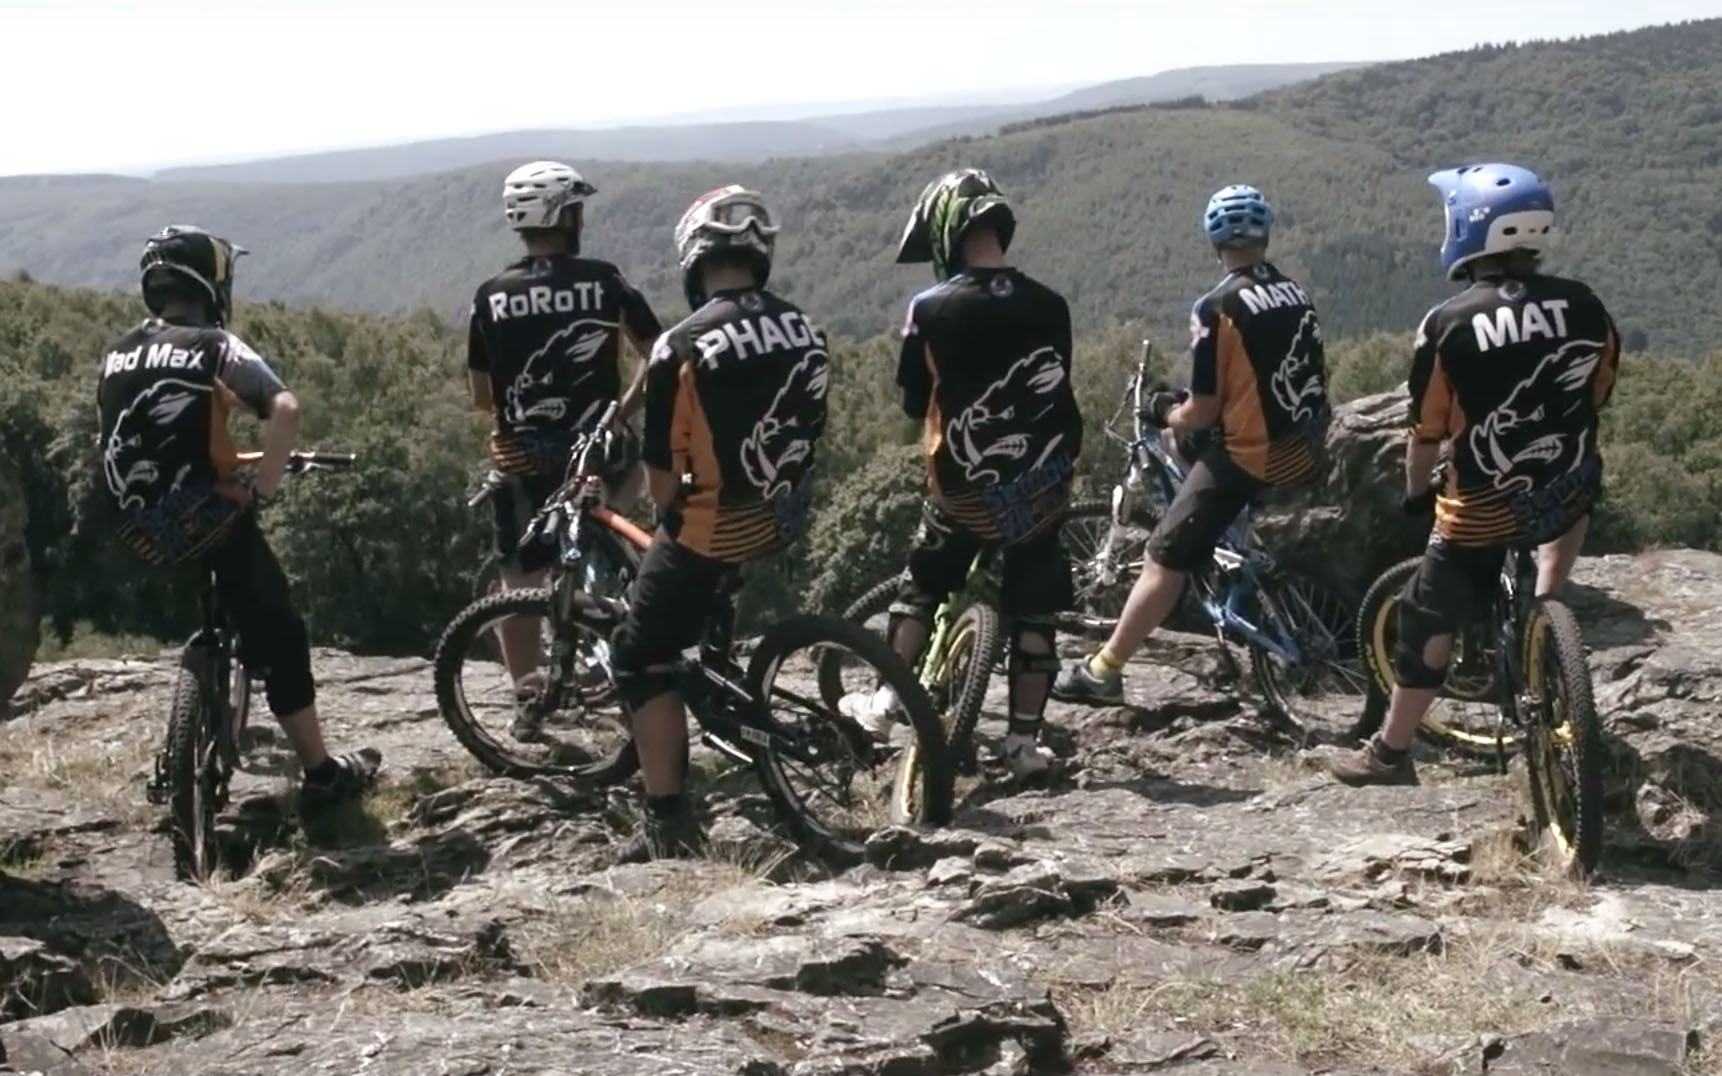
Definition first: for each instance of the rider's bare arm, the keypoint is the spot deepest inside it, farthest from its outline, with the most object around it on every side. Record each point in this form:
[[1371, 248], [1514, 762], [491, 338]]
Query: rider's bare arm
[[641, 327], [1196, 413], [251, 381], [635, 394]]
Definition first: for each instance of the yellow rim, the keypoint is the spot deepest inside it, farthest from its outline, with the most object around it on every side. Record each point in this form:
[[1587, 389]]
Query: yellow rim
[[1381, 656], [905, 797], [1547, 760]]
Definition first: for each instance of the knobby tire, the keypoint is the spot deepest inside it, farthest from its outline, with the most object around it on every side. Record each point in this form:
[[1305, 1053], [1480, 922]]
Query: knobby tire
[[1581, 835], [933, 790], [190, 742], [1377, 631], [450, 655]]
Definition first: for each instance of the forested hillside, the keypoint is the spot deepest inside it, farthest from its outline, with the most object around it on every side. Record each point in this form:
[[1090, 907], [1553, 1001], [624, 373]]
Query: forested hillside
[[1627, 127], [382, 557], [750, 139]]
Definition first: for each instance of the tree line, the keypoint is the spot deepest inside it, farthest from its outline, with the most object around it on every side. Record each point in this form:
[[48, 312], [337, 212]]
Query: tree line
[[382, 557]]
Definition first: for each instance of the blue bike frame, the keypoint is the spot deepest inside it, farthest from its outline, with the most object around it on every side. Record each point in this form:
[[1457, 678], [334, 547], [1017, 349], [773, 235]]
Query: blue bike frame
[[1238, 561]]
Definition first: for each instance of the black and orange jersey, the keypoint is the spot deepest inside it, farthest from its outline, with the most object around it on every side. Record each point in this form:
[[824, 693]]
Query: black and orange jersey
[[1255, 342], [735, 403], [164, 396], [986, 364], [1513, 372], [548, 331]]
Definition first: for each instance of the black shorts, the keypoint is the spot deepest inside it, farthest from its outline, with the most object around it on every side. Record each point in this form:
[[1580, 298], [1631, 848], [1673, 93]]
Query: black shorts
[[254, 593], [513, 505], [1456, 585], [668, 605], [1036, 579], [1213, 493]]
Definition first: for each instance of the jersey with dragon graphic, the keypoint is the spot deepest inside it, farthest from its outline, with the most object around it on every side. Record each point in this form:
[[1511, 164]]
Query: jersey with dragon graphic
[[986, 364], [735, 401], [1255, 342], [548, 332], [1514, 372], [164, 396]]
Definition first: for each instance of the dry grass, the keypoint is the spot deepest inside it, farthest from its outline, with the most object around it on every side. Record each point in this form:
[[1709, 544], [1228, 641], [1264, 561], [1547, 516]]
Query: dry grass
[[96, 772], [1376, 1011], [569, 942]]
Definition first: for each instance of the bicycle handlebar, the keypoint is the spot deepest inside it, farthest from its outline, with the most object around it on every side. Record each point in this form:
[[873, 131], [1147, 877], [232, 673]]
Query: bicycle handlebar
[[299, 462]]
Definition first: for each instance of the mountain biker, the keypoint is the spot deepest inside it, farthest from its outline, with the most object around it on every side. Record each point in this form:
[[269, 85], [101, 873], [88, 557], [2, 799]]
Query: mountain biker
[[177, 494], [1258, 381], [735, 405], [985, 365], [1510, 374], [544, 358]]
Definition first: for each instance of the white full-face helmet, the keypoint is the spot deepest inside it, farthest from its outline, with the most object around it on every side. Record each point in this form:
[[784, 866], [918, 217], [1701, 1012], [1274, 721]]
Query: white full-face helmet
[[732, 219], [534, 195]]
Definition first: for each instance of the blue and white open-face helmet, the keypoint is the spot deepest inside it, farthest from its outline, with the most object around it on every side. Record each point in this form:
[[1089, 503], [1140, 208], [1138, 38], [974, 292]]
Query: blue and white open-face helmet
[[1491, 209], [1237, 214]]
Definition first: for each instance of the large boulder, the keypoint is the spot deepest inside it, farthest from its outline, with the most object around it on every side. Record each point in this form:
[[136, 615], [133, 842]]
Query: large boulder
[[18, 618], [1350, 524]]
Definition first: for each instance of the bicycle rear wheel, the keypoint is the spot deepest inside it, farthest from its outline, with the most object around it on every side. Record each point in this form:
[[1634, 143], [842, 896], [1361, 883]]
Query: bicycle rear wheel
[[583, 735], [190, 772], [1564, 738], [1466, 715], [832, 786]]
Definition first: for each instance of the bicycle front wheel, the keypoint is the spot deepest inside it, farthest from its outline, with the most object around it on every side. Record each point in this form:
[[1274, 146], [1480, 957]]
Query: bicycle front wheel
[[1466, 715], [1327, 685], [831, 785], [1102, 581], [1564, 738], [191, 774]]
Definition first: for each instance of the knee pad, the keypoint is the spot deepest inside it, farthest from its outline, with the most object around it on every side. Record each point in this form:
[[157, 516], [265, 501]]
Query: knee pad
[[640, 678], [1416, 628], [281, 657], [1031, 646], [911, 606]]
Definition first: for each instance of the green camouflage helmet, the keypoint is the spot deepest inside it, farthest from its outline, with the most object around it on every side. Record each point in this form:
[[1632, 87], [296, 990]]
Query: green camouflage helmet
[[946, 210]]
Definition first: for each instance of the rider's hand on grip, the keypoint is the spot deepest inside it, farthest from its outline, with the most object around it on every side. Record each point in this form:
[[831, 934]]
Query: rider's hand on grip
[[1160, 405]]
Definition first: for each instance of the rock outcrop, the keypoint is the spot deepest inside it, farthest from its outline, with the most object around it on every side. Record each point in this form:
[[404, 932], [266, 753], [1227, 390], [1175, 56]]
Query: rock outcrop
[[17, 591], [1356, 506], [1188, 896]]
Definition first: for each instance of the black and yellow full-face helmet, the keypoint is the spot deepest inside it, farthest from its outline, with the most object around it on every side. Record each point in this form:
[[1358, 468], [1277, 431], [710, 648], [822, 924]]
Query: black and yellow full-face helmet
[[948, 207], [180, 254]]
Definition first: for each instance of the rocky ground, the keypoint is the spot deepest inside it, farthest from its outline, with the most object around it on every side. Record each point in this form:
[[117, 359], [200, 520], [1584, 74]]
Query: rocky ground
[[1190, 896]]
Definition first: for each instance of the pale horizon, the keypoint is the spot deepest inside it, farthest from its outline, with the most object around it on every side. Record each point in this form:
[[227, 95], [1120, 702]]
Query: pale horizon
[[116, 86]]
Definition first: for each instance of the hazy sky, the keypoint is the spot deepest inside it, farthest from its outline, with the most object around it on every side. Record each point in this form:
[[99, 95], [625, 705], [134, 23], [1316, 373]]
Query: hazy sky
[[93, 84]]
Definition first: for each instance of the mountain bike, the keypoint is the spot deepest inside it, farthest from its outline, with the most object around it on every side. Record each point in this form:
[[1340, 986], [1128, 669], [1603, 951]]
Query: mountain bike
[[211, 703], [1296, 622], [1527, 659], [963, 648], [758, 716]]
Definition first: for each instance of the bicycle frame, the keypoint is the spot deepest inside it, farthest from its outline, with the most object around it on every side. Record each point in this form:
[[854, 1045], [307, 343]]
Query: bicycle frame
[[1242, 565], [934, 659]]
